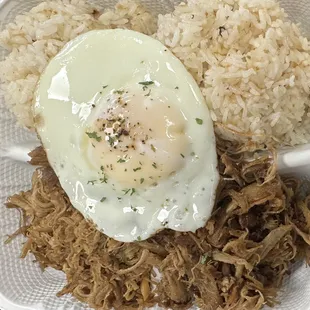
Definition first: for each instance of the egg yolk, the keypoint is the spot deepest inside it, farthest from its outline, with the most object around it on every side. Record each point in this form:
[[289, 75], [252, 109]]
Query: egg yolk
[[137, 140]]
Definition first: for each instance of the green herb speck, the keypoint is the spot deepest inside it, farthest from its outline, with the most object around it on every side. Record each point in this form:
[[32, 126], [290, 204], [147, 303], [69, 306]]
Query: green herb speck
[[199, 121], [182, 155], [92, 182], [121, 160], [120, 92], [126, 191], [111, 141], [136, 169], [141, 180], [146, 83], [132, 191], [153, 148], [205, 258], [154, 165], [104, 179], [105, 86], [139, 238], [103, 199], [94, 135]]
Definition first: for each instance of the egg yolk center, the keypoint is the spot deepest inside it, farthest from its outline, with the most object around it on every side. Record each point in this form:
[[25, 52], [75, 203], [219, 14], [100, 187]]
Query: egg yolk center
[[138, 140]]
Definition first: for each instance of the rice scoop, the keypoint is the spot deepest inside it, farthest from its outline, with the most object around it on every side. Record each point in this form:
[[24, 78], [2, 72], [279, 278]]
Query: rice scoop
[[126, 130]]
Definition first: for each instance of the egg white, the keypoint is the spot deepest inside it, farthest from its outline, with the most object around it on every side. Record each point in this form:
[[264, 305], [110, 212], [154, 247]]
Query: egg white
[[76, 84]]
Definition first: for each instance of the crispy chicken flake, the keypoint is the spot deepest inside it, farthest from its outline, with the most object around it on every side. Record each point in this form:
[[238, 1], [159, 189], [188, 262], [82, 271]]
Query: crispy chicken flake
[[259, 227]]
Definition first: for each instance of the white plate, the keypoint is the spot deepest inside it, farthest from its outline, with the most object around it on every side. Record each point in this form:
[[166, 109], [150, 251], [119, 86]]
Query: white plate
[[22, 284]]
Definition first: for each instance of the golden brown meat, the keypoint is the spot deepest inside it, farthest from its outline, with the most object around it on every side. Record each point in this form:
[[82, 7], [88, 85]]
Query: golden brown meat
[[259, 227]]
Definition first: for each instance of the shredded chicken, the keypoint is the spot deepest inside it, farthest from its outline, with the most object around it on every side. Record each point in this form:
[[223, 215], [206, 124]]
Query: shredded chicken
[[259, 227]]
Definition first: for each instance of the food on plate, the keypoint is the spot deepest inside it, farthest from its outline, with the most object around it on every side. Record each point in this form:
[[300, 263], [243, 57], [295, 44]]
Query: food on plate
[[134, 150], [259, 227], [251, 63], [129, 170]]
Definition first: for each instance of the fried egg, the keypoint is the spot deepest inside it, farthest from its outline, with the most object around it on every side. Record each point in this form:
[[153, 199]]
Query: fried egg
[[126, 130]]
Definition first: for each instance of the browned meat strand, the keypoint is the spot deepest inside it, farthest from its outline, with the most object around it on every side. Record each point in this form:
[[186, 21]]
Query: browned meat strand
[[259, 227]]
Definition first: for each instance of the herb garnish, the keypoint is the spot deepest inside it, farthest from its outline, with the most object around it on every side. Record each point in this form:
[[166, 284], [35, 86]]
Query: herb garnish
[[153, 148], [148, 94], [199, 121], [146, 83], [111, 140], [120, 92], [103, 199], [154, 165], [94, 135], [141, 180], [126, 191], [105, 86], [139, 238], [134, 209], [205, 258], [121, 160], [104, 179], [133, 190], [136, 169], [177, 87], [92, 182], [182, 155]]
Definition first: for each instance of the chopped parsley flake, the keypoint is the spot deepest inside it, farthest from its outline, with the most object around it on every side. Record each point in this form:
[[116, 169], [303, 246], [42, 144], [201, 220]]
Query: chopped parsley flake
[[92, 182], [126, 191], [153, 148], [146, 83], [205, 258], [111, 140], [141, 180], [105, 86], [104, 179], [182, 155], [186, 209], [94, 135], [193, 154], [177, 87], [132, 191], [103, 199], [136, 169], [121, 160], [134, 209], [102, 168], [154, 165], [148, 94], [120, 92], [139, 238], [199, 121]]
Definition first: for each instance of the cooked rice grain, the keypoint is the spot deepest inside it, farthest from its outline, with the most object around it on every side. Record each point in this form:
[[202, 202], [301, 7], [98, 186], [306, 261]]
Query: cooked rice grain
[[252, 65], [37, 36]]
